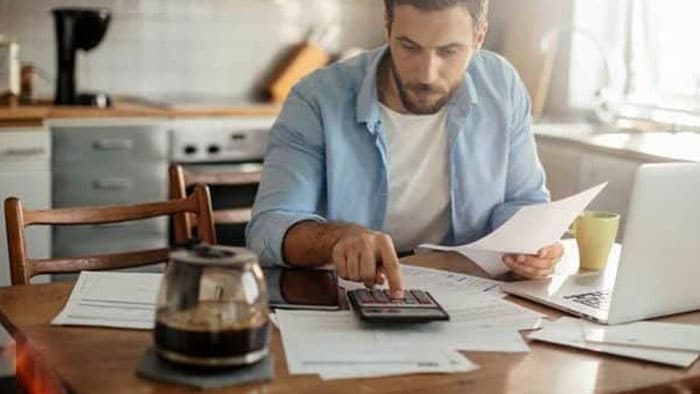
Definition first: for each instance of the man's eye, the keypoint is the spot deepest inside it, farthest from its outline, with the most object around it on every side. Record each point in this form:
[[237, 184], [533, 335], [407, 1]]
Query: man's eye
[[447, 51], [410, 48]]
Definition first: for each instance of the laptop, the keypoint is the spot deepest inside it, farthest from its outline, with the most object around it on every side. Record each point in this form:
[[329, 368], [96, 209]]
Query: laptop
[[659, 268]]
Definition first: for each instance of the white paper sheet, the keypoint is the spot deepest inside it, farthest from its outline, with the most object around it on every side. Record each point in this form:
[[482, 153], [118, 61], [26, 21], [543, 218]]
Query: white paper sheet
[[530, 229], [330, 329], [471, 301], [483, 311], [648, 334], [570, 332], [366, 365], [112, 299], [433, 280], [430, 280], [337, 345]]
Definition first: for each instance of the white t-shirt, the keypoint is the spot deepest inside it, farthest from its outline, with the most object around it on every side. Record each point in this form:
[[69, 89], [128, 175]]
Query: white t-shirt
[[418, 209]]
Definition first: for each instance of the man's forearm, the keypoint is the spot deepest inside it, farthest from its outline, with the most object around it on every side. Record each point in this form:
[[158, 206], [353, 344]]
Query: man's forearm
[[310, 244]]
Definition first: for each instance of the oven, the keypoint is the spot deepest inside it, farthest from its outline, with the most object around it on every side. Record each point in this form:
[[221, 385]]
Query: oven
[[226, 154]]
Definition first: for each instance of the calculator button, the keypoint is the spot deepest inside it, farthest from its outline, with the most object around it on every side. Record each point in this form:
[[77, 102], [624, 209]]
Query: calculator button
[[364, 296], [379, 296], [409, 298], [422, 297]]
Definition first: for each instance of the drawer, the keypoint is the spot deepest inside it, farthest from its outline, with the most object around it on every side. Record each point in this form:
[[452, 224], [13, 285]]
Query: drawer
[[82, 240], [25, 149], [119, 185], [108, 145]]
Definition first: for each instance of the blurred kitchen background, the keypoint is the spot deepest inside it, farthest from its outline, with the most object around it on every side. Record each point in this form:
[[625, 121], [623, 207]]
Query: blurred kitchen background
[[614, 84], [226, 49]]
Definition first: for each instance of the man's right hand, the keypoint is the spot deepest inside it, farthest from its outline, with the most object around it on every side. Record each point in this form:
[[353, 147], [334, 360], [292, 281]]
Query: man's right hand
[[362, 255], [359, 254]]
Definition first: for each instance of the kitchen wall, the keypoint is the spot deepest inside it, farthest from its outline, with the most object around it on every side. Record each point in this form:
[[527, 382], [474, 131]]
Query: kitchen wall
[[227, 48], [170, 48]]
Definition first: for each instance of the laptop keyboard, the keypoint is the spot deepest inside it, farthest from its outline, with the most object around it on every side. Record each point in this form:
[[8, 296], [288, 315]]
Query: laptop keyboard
[[594, 299]]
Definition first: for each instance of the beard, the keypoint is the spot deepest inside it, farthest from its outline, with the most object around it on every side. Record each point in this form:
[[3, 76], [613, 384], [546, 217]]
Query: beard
[[420, 89]]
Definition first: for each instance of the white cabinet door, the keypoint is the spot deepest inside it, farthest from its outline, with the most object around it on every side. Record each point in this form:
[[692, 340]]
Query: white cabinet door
[[24, 173], [561, 165]]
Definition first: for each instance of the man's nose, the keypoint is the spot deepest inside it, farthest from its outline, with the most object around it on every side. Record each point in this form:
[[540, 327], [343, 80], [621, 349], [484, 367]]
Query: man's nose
[[429, 67]]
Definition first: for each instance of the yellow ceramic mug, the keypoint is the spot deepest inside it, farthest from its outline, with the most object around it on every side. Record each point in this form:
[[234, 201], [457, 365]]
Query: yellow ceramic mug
[[595, 234]]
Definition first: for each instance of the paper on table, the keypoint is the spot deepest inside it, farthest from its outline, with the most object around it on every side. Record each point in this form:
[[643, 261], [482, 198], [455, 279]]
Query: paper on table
[[570, 332], [401, 361], [433, 280], [336, 345], [429, 279], [326, 329], [482, 311], [112, 299], [648, 334], [468, 299], [531, 228]]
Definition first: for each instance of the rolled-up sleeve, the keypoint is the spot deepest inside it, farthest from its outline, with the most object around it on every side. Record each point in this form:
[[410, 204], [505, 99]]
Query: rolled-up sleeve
[[526, 181], [293, 181]]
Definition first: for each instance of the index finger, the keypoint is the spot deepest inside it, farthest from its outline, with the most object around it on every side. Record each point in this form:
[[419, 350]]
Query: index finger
[[391, 267]]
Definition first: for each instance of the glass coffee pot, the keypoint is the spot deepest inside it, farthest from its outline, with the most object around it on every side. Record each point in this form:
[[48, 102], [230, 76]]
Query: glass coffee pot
[[212, 308]]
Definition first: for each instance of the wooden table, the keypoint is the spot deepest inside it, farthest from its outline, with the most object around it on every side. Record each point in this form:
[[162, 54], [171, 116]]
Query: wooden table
[[99, 360]]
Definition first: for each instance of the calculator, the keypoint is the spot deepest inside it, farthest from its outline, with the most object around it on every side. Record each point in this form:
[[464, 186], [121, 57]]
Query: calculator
[[375, 305]]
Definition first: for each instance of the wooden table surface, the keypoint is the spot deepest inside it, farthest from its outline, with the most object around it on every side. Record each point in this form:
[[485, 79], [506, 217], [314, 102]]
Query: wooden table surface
[[102, 360]]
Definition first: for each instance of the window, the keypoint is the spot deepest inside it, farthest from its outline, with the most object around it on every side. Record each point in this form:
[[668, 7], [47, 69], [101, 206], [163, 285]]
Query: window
[[653, 52]]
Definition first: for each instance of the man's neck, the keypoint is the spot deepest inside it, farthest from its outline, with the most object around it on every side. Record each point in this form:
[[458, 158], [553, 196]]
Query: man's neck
[[387, 91]]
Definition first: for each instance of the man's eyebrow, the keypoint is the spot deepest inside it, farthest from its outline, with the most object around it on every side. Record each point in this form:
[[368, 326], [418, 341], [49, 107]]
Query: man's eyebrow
[[453, 45], [447, 46], [408, 40]]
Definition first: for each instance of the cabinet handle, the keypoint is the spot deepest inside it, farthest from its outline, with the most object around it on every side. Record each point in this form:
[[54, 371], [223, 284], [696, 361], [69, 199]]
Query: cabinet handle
[[112, 183], [113, 144], [24, 152], [111, 225]]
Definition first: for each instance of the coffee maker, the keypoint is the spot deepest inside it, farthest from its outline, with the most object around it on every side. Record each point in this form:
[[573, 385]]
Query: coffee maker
[[77, 28]]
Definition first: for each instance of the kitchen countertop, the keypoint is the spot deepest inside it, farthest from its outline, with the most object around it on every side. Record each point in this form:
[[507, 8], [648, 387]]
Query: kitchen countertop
[[37, 114], [642, 146]]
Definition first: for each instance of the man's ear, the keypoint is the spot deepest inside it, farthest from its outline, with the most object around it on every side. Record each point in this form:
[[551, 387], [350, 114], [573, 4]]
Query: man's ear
[[480, 35]]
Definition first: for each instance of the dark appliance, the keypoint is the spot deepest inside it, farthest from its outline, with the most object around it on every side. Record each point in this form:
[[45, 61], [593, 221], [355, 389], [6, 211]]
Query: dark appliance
[[226, 154], [77, 28]]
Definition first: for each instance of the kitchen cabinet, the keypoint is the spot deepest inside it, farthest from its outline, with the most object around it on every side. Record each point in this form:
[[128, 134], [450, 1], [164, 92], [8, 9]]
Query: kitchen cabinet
[[102, 162], [25, 159]]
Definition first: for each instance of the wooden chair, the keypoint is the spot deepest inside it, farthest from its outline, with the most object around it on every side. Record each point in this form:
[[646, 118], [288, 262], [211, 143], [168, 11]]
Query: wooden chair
[[22, 268], [181, 179]]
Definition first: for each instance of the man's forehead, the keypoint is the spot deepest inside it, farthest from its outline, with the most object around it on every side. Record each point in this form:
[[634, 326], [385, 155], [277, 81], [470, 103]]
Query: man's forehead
[[433, 28]]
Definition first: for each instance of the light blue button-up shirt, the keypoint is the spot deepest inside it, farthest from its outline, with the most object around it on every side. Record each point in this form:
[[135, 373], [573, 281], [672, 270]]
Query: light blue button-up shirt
[[327, 155]]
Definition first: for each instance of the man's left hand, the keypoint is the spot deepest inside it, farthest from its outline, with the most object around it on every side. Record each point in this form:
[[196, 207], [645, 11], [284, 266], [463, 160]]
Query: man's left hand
[[538, 266]]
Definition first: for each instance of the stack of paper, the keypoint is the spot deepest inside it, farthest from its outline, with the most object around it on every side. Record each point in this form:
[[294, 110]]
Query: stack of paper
[[339, 345], [648, 334], [575, 333], [530, 229], [109, 299]]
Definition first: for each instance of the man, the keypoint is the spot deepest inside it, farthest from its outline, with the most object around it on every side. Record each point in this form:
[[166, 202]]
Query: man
[[424, 140]]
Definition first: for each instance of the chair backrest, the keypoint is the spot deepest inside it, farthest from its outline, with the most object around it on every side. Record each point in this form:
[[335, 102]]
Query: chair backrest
[[22, 268], [181, 178]]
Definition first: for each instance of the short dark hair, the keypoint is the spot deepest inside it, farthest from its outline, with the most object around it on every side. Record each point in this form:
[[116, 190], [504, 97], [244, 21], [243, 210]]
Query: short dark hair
[[478, 9]]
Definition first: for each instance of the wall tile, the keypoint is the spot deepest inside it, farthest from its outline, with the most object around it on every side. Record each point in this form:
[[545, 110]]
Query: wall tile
[[218, 48]]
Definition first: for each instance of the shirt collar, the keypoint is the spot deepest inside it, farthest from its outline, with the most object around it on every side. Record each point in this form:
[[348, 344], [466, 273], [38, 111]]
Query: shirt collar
[[368, 102]]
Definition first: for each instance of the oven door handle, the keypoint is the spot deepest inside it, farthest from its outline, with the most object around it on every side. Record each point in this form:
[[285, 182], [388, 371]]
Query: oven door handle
[[113, 144], [112, 183]]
